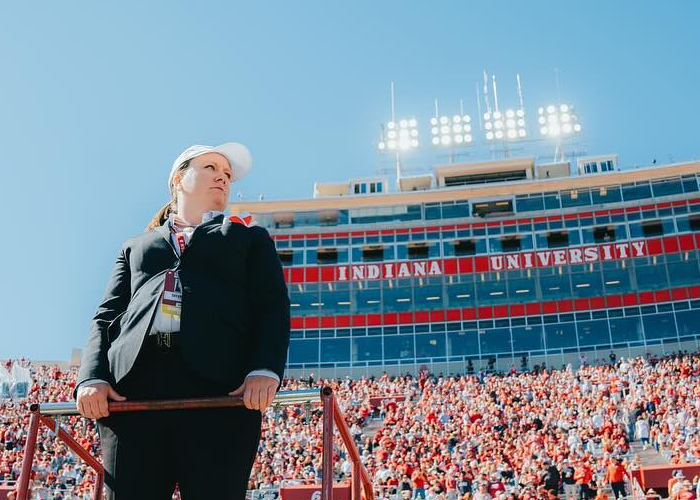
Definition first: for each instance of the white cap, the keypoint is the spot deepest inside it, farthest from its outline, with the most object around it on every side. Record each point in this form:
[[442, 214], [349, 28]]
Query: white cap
[[238, 156]]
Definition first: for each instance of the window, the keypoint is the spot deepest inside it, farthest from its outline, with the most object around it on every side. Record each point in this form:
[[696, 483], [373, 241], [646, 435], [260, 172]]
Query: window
[[587, 284], [398, 299], [690, 183], [492, 207], [418, 251], [286, 257], [431, 345], [432, 211], [625, 329], [460, 295], [335, 302], [694, 221], [367, 301], [593, 332], [684, 270], [492, 291], [511, 244], [399, 347], [303, 351], [560, 335], [455, 210], [688, 322], [428, 297], [575, 198], [373, 253], [555, 286], [494, 341], [657, 326], [366, 348], [649, 274], [606, 166], [667, 187], [521, 289], [357, 189], [636, 191], [652, 228], [605, 194], [468, 247], [528, 338], [524, 204], [590, 167], [327, 255], [617, 279], [335, 350], [557, 239], [460, 343], [604, 234]]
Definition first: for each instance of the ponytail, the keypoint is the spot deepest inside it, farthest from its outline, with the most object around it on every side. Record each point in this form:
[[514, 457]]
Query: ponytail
[[162, 215]]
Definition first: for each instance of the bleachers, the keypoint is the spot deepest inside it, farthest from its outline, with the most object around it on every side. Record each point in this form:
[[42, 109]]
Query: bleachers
[[445, 437]]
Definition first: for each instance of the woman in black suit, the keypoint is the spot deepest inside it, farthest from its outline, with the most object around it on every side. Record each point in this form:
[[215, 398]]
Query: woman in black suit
[[195, 306]]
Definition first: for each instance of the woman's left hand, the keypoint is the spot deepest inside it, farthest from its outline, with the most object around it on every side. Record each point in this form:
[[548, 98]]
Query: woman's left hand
[[258, 392]]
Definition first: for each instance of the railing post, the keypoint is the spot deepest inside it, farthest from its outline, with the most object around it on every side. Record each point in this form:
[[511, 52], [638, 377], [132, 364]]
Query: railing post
[[356, 484], [327, 479], [23, 493]]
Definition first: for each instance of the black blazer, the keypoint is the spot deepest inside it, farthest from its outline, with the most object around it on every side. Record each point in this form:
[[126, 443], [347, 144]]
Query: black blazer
[[235, 309]]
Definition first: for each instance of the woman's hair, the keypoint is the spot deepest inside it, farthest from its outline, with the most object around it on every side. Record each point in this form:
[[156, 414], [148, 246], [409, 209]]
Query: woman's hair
[[162, 215]]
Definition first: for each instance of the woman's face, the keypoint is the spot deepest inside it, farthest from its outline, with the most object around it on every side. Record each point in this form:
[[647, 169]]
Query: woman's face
[[206, 182]]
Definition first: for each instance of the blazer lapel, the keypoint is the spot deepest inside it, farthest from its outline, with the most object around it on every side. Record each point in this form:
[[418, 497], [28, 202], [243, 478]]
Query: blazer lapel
[[164, 231], [209, 226]]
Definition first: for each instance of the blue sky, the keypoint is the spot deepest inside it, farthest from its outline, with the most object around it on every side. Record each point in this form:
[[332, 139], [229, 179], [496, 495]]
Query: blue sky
[[98, 98]]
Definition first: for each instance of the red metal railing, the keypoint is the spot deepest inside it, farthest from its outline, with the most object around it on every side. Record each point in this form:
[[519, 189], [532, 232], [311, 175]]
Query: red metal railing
[[43, 413]]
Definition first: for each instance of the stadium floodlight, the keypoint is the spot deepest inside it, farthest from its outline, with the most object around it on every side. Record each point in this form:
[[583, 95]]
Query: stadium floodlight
[[400, 135], [558, 121], [505, 126], [448, 131]]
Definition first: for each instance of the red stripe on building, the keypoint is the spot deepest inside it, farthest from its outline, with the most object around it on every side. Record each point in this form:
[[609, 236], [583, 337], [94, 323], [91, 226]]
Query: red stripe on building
[[498, 311]]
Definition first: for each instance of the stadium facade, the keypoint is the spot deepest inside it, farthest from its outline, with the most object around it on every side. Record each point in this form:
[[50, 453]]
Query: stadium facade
[[495, 261]]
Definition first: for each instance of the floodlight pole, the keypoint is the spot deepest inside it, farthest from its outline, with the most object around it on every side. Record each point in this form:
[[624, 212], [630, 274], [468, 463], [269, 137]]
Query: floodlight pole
[[520, 91], [398, 157], [478, 107], [559, 149]]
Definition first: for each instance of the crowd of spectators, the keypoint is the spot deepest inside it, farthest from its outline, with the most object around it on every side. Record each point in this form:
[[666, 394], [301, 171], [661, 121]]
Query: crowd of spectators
[[538, 434]]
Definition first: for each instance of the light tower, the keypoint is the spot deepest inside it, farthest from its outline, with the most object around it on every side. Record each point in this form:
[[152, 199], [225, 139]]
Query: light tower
[[398, 136], [507, 126], [558, 122], [451, 131]]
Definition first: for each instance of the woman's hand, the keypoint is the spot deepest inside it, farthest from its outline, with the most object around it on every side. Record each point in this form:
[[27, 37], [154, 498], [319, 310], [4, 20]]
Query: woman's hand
[[92, 399], [258, 392]]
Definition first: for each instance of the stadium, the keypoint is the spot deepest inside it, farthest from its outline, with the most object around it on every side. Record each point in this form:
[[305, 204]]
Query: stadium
[[492, 330], [510, 328], [497, 263]]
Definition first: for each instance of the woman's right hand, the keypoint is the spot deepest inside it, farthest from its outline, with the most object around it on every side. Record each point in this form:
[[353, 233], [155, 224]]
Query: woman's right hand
[[91, 400]]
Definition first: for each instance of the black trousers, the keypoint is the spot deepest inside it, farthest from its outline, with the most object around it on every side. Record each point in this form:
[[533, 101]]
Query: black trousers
[[618, 489], [208, 453]]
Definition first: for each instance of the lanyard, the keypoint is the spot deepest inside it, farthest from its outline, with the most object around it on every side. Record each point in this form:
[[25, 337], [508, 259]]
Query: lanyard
[[180, 237]]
